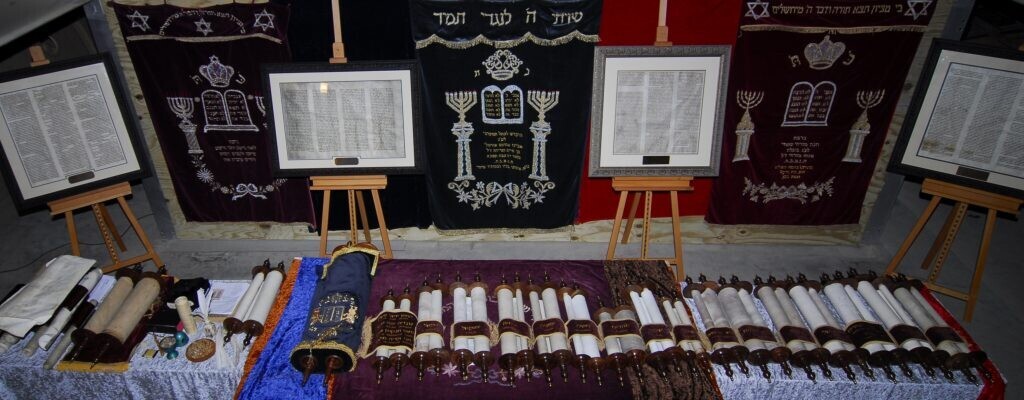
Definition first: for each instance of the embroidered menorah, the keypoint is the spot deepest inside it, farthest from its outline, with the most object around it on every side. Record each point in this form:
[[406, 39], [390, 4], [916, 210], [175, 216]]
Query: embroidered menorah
[[745, 128], [461, 102], [183, 107], [866, 99], [542, 102]]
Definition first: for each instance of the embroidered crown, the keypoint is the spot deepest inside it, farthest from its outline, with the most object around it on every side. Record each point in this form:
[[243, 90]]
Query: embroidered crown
[[823, 55], [502, 65], [219, 75]]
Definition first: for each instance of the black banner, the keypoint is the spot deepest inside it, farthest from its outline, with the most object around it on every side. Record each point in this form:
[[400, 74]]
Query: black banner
[[506, 101]]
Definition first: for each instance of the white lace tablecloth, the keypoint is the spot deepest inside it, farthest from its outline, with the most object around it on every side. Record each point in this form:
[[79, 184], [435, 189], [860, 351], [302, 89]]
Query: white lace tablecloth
[[798, 386], [147, 378]]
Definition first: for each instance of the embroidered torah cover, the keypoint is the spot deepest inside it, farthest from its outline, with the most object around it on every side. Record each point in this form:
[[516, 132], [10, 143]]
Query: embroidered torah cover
[[812, 89], [506, 100], [199, 72]]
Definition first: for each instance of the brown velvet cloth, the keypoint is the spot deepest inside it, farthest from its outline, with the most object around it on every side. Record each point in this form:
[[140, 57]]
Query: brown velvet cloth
[[656, 276]]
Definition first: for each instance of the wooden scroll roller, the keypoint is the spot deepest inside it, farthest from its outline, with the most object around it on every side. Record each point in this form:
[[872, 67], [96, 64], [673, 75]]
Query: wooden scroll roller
[[430, 349], [800, 348], [656, 334], [393, 334], [872, 342], [582, 333], [725, 343], [826, 330], [689, 342], [471, 331], [126, 279], [622, 340], [870, 304], [764, 346], [257, 314], [513, 332], [549, 330], [233, 324], [145, 295], [951, 351]]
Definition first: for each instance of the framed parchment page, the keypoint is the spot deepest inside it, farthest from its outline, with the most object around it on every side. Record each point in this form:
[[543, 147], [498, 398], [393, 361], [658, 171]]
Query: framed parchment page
[[340, 119], [965, 124], [657, 111], [65, 130]]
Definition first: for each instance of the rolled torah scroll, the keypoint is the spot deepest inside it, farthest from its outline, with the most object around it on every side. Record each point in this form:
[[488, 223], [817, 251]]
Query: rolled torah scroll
[[337, 312]]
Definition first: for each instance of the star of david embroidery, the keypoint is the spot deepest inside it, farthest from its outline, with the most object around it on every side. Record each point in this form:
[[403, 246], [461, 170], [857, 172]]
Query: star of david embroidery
[[203, 27], [264, 20], [758, 9], [139, 21], [917, 8]]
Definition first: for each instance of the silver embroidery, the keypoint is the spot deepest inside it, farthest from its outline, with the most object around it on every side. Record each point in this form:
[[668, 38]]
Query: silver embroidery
[[745, 128], [764, 193], [861, 128]]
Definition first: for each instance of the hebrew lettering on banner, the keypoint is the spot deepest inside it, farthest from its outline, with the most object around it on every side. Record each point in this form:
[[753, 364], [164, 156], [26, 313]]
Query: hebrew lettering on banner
[[805, 141], [197, 69], [506, 122]]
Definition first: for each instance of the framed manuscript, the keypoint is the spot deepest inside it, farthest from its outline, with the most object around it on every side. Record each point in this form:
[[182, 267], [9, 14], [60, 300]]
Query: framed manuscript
[[65, 129], [335, 119], [657, 111], [965, 124]]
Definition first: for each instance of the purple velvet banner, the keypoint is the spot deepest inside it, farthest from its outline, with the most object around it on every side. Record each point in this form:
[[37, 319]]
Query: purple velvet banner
[[812, 90], [199, 72]]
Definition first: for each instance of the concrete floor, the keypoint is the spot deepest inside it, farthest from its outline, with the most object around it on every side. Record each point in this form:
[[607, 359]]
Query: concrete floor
[[30, 240]]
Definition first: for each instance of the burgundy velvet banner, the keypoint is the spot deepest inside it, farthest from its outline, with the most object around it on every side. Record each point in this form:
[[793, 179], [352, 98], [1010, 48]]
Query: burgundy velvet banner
[[199, 72], [812, 90]]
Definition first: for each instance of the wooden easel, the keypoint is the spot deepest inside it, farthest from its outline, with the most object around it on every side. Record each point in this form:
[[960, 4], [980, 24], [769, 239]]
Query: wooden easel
[[963, 196], [353, 184], [95, 199], [649, 185]]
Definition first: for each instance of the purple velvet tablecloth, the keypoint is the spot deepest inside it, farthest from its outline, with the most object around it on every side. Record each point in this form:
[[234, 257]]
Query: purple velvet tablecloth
[[397, 274]]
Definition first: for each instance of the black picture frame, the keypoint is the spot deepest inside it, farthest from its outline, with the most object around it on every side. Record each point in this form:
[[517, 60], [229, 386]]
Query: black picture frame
[[110, 132], [403, 74], [708, 64], [949, 69]]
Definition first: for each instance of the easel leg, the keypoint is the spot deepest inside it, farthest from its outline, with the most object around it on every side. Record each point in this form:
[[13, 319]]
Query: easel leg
[[383, 225], [632, 216], [353, 234], [677, 236], [616, 225], [646, 241], [362, 215], [947, 241], [979, 268], [104, 227], [943, 234], [325, 212], [69, 219], [921, 222], [141, 234], [113, 228]]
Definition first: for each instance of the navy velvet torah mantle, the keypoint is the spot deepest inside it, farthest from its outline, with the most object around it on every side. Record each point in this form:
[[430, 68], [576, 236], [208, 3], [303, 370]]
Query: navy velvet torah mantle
[[338, 310]]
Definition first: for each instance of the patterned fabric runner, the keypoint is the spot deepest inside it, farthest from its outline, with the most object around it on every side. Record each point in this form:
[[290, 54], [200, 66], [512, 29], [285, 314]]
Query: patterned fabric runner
[[656, 276], [812, 90], [199, 72]]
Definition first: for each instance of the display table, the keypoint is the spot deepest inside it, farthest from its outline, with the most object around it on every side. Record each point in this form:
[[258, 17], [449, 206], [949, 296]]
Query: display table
[[146, 378], [272, 377]]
